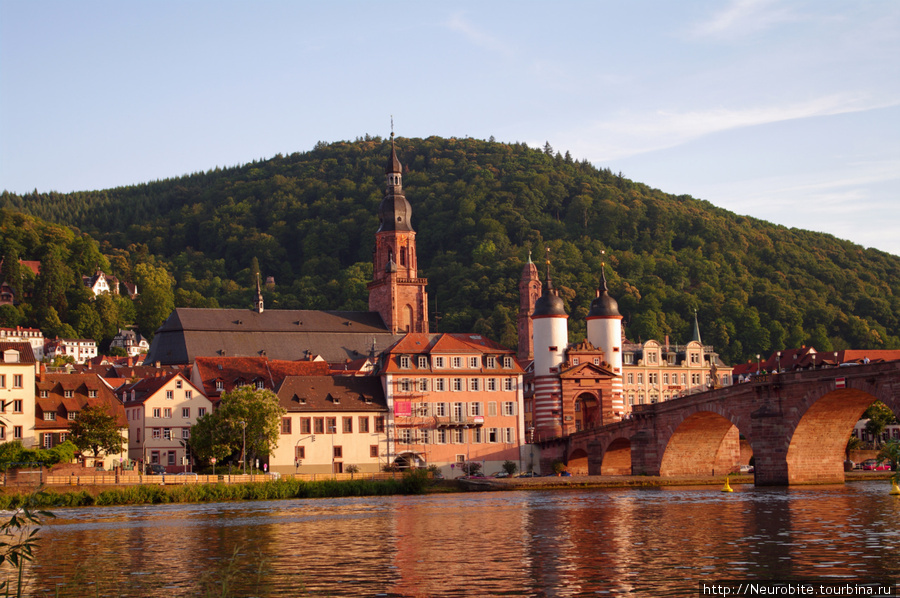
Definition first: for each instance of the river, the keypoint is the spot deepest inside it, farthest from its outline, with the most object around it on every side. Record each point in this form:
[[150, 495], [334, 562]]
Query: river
[[615, 542]]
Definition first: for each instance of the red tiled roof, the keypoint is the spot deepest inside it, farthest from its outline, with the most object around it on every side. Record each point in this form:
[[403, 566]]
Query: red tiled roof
[[234, 371], [79, 384], [26, 355]]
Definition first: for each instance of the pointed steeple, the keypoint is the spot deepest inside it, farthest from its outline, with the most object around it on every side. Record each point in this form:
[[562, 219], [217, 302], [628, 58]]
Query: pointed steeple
[[259, 297], [604, 304], [696, 336]]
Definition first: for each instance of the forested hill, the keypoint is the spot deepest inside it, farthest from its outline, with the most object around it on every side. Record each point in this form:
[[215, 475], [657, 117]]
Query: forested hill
[[309, 221]]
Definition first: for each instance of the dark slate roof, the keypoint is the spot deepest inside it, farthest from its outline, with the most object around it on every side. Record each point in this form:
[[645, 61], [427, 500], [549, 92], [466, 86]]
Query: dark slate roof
[[291, 335], [332, 393]]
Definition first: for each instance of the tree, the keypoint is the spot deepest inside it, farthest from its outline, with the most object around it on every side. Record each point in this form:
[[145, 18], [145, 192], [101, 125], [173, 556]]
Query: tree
[[156, 300], [246, 416], [95, 428], [891, 451], [879, 416]]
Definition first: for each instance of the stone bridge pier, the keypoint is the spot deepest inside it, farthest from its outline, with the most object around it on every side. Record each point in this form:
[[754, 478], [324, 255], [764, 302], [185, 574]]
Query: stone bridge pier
[[797, 425]]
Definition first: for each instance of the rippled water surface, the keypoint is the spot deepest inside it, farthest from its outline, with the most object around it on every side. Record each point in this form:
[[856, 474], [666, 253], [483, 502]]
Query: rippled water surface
[[641, 542]]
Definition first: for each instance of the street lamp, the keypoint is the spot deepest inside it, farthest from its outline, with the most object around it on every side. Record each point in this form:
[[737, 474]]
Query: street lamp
[[244, 449], [531, 442], [779, 362], [757, 364]]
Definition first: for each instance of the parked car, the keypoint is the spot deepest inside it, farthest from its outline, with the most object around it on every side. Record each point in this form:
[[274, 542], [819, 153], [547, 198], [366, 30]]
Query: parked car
[[500, 474], [529, 474], [187, 473], [873, 465], [156, 469], [747, 469]]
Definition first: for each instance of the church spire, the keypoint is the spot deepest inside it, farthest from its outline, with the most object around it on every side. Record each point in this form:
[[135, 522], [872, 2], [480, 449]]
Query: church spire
[[259, 297]]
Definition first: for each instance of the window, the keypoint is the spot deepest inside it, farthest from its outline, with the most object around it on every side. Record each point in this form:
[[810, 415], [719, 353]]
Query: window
[[492, 409], [404, 362], [305, 425], [423, 384], [285, 425], [68, 394], [157, 412], [156, 433], [379, 424], [665, 378], [170, 395], [475, 409], [628, 358], [695, 358], [695, 379], [167, 413], [154, 457], [331, 425], [2, 380], [92, 394], [299, 453], [493, 435], [507, 362], [508, 435], [473, 363], [438, 362], [49, 416], [260, 385], [477, 435], [475, 384], [348, 425], [404, 435], [652, 357], [596, 361], [423, 362], [185, 412], [167, 433], [17, 432], [491, 384], [458, 412], [189, 394], [363, 424], [44, 393], [201, 411], [185, 433], [405, 385], [440, 385], [220, 385], [440, 436], [653, 378], [509, 408], [178, 384], [423, 410], [456, 362], [2, 432], [631, 378], [456, 385], [457, 436], [319, 425], [373, 451], [72, 415], [17, 381], [17, 406], [440, 409], [491, 363], [171, 457], [509, 384], [575, 361]]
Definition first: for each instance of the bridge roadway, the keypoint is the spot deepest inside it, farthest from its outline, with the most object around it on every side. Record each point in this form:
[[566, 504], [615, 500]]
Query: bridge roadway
[[797, 424]]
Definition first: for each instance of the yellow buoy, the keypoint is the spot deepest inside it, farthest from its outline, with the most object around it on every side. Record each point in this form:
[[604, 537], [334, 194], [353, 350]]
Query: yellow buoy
[[894, 488], [726, 487]]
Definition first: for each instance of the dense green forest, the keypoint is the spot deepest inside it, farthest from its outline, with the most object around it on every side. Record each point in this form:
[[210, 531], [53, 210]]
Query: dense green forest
[[479, 207]]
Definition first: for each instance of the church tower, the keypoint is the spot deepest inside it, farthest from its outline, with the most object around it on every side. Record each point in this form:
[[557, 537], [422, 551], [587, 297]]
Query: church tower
[[396, 292], [551, 338], [259, 307], [529, 291], [604, 331]]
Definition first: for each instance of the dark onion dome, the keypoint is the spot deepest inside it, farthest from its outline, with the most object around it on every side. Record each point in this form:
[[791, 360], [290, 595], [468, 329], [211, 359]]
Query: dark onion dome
[[604, 304], [549, 304], [394, 214]]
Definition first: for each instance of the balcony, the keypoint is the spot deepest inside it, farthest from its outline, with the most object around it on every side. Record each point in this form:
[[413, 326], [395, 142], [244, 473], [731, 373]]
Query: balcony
[[459, 422]]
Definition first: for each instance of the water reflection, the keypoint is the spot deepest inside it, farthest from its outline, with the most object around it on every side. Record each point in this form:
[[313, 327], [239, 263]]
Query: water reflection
[[641, 542]]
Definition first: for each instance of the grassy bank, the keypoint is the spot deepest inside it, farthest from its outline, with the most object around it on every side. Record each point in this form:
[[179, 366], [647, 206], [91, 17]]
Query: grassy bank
[[411, 483]]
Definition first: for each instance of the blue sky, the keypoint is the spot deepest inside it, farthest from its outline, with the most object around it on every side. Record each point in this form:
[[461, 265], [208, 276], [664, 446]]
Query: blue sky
[[785, 111]]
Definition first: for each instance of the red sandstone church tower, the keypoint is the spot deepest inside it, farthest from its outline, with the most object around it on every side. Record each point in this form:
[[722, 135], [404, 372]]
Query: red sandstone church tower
[[529, 291], [396, 292]]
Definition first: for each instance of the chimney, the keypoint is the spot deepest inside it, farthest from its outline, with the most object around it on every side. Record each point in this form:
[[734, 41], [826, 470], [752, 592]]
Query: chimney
[[130, 361]]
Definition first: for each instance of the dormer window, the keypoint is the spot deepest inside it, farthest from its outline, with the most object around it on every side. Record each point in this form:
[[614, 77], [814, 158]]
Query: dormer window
[[405, 362], [507, 362], [491, 363], [220, 385], [45, 394], [260, 385], [68, 394], [92, 394], [49, 416], [423, 362], [473, 363]]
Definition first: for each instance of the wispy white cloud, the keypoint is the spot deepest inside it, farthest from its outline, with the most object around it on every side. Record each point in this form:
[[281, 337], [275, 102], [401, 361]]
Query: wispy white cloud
[[629, 134], [477, 36], [745, 17]]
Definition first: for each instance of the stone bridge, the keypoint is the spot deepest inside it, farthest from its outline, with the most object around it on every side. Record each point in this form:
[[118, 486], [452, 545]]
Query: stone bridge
[[796, 423]]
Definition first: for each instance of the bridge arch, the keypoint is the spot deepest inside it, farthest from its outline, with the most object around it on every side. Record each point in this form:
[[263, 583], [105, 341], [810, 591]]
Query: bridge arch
[[617, 458], [704, 443], [818, 442], [578, 462]]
